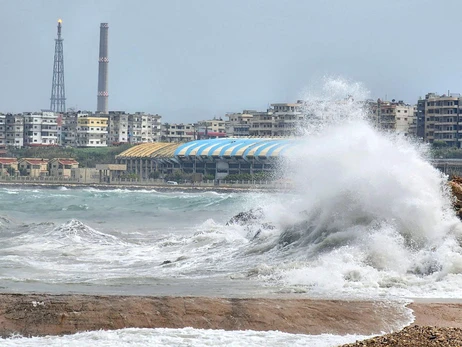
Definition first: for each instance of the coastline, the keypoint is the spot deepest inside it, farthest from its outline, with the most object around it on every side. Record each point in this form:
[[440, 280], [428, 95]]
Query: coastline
[[46, 314], [135, 187]]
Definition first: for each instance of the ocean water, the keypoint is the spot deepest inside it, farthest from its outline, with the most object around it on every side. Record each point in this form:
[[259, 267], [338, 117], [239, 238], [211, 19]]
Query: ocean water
[[369, 218]]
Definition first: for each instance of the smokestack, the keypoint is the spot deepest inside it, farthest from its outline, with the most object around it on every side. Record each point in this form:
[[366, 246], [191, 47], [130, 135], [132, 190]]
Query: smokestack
[[102, 71]]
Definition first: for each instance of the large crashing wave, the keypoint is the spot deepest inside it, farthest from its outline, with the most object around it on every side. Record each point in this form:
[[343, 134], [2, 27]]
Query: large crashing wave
[[370, 210]]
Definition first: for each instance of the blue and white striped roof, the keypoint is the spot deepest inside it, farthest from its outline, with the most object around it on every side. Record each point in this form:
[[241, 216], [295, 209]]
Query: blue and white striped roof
[[245, 148]]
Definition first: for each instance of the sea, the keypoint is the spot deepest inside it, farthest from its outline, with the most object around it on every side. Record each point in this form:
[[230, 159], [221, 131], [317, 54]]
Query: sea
[[368, 217]]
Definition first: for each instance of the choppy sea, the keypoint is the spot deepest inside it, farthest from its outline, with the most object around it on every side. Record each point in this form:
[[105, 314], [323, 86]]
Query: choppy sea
[[369, 218]]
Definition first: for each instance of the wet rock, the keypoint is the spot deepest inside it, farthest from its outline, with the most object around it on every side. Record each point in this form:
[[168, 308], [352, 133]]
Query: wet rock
[[247, 217], [456, 188]]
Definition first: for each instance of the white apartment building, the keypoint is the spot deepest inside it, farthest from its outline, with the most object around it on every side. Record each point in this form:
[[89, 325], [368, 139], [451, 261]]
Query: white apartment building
[[117, 127], [288, 118], [441, 118], [139, 128], [91, 130], [397, 117], [14, 130], [40, 128], [282, 119], [133, 128]]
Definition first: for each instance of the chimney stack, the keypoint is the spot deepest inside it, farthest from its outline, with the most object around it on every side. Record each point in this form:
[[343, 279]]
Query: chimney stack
[[102, 70]]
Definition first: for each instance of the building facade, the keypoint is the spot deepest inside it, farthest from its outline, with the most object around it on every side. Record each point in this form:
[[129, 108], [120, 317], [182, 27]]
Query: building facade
[[238, 124], [62, 167], [14, 130], [133, 128], [40, 128], [91, 130], [394, 116], [440, 118], [178, 132]]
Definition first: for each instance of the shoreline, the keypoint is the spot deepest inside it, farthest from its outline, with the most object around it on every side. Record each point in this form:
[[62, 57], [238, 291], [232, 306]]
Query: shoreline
[[47, 314], [133, 187]]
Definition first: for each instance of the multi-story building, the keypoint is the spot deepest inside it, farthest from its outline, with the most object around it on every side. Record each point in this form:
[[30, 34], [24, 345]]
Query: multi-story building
[[156, 126], [91, 130], [14, 130], [139, 128], [238, 124], [282, 119], [209, 129], [133, 128], [394, 116], [420, 119], [262, 124], [67, 129], [117, 128], [442, 114], [288, 118], [178, 132], [2, 130], [40, 129]]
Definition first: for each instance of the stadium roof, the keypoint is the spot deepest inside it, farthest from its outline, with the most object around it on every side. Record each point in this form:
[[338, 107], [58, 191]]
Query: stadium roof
[[228, 148], [242, 148], [150, 150]]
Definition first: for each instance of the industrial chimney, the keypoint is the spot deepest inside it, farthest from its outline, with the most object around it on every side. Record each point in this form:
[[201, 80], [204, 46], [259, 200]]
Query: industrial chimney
[[102, 105]]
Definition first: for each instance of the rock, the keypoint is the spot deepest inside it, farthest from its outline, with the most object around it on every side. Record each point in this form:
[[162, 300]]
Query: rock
[[46, 314], [456, 188], [416, 336], [248, 217]]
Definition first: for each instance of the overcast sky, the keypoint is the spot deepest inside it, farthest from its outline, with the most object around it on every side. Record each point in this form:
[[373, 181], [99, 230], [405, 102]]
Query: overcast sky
[[196, 59]]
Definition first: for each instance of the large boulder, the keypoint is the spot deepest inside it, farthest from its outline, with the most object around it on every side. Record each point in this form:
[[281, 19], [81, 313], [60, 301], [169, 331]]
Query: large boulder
[[456, 188]]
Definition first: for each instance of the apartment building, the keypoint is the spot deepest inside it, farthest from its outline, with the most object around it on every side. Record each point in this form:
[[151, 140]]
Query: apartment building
[[14, 130], [262, 124], [133, 128], [440, 117], [394, 116], [139, 128], [174, 132], [67, 129], [117, 127], [156, 125], [281, 119], [2, 130], [288, 118], [91, 130], [210, 129], [238, 124], [40, 128]]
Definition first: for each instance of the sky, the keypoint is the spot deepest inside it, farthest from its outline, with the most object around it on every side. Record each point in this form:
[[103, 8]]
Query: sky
[[189, 60]]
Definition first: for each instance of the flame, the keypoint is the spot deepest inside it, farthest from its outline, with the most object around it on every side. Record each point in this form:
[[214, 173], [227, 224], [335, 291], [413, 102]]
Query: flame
[[60, 21]]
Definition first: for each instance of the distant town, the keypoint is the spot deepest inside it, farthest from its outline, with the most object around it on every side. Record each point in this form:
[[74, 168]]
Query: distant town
[[238, 147], [432, 119]]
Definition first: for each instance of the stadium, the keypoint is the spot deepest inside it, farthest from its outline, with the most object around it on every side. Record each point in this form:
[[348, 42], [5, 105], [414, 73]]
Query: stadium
[[216, 157]]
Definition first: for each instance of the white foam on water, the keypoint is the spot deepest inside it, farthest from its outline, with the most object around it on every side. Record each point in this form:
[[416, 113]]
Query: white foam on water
[[371, 215], [187, 337]]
